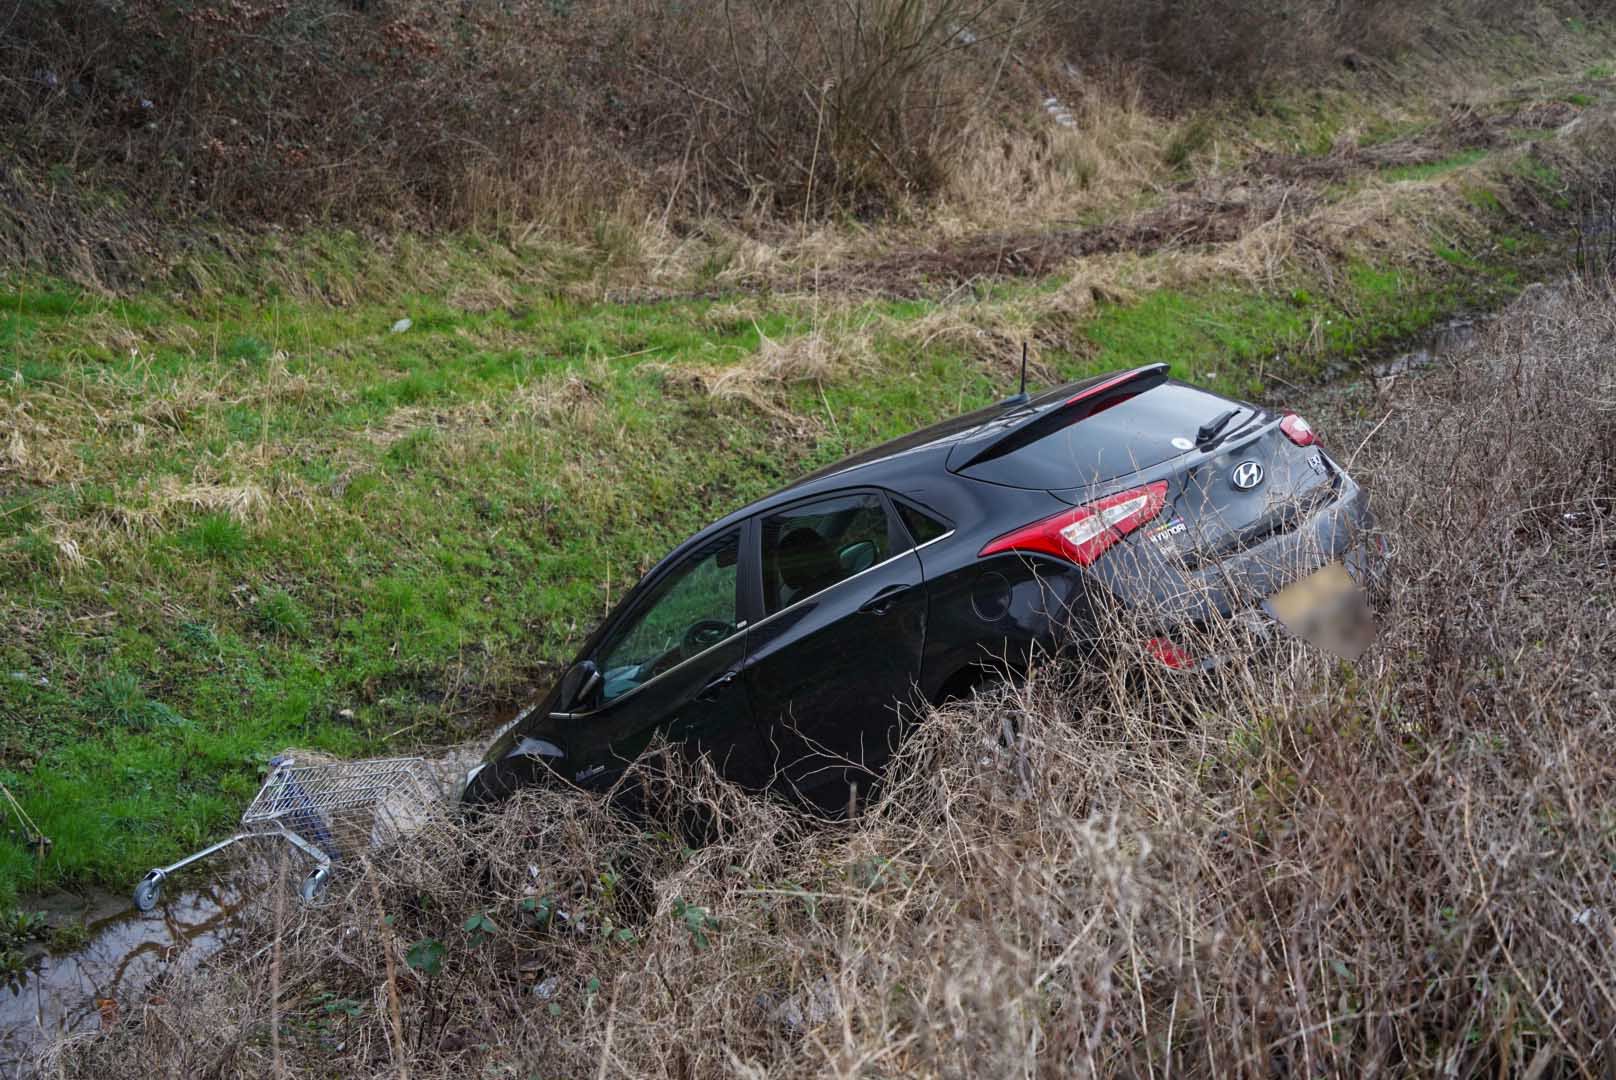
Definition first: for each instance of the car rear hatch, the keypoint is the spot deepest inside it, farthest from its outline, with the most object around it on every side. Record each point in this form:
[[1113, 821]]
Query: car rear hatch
[[1246, 505], [1234, 497]]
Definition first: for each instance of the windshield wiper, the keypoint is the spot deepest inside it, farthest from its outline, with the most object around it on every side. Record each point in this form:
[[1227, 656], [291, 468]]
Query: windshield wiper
[[1207, 437]]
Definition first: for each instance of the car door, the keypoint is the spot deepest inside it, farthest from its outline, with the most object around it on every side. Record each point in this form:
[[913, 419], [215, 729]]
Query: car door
[[837, 651], [672, 663]]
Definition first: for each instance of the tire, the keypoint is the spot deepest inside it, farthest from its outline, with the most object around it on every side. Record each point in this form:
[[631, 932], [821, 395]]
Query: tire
[[149, 891], [314, 885]]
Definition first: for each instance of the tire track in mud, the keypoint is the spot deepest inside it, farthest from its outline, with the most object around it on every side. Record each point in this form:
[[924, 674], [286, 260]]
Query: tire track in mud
[[1218, 210], [1187, 221]]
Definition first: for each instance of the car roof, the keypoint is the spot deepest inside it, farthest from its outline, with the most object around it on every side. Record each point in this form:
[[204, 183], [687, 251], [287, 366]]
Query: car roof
[[919, 447]]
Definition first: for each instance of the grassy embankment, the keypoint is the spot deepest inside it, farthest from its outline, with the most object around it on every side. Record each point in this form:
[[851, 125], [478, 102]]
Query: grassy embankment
[[240, 512]]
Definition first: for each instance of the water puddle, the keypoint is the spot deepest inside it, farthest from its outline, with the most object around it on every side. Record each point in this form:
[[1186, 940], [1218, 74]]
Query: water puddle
[[88, 988], [1448, 338], [85, 990]]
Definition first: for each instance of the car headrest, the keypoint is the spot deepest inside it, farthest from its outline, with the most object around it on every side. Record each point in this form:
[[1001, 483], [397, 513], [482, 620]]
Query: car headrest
[[805, 562]]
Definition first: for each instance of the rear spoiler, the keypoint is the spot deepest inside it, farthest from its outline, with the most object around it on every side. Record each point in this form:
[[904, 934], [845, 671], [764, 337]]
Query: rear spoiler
[[1084, 401]]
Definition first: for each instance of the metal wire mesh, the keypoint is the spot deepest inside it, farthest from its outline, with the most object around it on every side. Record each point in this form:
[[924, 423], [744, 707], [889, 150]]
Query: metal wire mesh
[[345, 806]]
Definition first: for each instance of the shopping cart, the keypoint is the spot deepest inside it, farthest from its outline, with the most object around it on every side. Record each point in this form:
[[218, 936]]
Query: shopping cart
[[327, 811]]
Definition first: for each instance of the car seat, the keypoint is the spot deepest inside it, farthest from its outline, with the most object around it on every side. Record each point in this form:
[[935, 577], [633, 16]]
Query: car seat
[[804, 563]]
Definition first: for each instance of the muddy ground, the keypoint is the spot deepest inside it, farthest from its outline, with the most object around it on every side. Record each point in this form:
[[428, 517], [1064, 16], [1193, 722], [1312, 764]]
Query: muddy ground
[[1222, 210]]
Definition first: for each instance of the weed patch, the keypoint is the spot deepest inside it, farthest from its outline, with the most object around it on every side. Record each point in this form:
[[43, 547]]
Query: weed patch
[[1432, 170]]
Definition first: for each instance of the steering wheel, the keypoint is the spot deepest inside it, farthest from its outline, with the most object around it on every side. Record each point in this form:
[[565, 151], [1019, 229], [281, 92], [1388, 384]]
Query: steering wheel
[[703, 635]]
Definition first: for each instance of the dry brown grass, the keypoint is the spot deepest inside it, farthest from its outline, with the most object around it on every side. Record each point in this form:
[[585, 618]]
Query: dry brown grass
[[1044, 171], [28, 452], [834, 348], [993, 337], [1294, 866], [601, 123]]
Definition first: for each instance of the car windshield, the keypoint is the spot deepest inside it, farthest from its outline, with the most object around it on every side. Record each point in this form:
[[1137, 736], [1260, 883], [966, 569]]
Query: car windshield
[[691, 609]]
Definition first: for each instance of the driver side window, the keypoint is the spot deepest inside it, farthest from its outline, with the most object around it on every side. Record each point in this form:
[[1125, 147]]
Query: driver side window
[[691, 609]]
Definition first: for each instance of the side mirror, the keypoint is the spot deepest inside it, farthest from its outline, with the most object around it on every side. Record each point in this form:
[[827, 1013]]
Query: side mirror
[[579, 684]]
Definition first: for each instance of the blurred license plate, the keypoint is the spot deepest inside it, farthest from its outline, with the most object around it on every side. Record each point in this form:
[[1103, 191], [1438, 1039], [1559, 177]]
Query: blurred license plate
[[1326, 609]]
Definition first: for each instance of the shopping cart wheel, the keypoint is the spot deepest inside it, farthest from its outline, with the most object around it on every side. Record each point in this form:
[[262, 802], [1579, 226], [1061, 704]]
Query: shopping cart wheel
[[314, 884], [149, 890]]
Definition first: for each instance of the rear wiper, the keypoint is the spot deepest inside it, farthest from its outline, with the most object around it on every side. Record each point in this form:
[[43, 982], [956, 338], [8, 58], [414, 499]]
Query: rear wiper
[[1207, 437]]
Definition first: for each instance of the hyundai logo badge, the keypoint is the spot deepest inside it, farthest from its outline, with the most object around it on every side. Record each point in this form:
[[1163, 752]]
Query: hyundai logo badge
[[1247, 475]]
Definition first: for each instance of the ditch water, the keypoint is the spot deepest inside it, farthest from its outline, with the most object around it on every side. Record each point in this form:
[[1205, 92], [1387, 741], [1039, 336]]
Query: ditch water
[[1450, 337], [88, 988], [98, 984]]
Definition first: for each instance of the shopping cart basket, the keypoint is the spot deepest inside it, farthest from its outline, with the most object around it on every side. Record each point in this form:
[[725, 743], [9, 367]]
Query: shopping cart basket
[[327, 811]]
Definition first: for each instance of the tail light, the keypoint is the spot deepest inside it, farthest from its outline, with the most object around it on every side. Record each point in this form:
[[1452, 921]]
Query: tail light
[[1169, 654], [1298, 431], [1084, 534]]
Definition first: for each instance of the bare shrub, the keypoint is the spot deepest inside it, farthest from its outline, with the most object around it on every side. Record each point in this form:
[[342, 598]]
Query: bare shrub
[[491, 111], [1238, 45], [586, 117]]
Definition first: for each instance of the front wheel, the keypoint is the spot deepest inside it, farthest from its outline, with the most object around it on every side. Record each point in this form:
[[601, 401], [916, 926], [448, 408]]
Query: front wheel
[[149, 891], [314, 885]]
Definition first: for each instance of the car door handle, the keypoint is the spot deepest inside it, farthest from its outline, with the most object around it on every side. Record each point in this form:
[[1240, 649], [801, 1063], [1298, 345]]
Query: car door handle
[[711, 691], [882, 602]]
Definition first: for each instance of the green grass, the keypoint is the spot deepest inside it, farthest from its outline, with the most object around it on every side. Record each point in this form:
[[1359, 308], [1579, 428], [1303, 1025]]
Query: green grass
[[1309, 123], [1432, 170], [1380, 132], [1189, 140], [419, 549], [1545, 177], [1231, 339], [1217, 337]]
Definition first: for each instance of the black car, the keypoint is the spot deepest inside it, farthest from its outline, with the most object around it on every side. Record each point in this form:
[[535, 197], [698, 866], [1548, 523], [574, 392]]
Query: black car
[[790, 639]]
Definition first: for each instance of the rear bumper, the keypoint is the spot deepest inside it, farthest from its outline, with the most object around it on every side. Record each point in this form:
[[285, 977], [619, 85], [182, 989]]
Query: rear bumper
[[1137, 590], [1257, 631], [1159, 588]]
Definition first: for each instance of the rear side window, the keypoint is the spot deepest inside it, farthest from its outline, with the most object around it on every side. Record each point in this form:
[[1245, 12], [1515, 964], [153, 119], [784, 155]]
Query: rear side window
[[922, 526], [809, 548], [1137, 432]]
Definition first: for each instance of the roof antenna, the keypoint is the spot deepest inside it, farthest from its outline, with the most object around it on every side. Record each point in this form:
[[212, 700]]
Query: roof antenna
[[1020, 397]]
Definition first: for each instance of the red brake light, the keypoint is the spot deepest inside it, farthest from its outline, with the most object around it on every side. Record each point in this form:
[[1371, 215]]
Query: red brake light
[[1100, 388], [1298, 431], [1084, 534], [1169, 654]]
